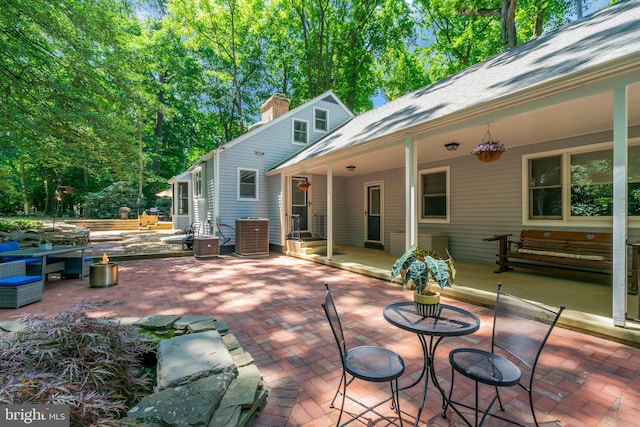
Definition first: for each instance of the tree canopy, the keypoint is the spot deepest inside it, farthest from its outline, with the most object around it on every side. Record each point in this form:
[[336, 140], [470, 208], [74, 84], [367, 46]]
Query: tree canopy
[[93, 93]]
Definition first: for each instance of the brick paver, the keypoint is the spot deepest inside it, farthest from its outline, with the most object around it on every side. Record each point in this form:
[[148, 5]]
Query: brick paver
[[273, 307]]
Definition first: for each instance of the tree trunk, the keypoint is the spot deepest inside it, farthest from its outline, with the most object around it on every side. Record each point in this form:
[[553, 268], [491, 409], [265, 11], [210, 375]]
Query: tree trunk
[[23, 185], [508, 23]]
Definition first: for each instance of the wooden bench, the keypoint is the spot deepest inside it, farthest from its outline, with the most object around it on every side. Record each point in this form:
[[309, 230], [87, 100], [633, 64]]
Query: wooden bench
[[566, 250]]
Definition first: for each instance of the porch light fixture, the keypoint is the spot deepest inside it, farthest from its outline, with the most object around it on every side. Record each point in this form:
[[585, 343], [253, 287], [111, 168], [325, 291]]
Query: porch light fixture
[[351, 168], [452, 146], [259, 153]]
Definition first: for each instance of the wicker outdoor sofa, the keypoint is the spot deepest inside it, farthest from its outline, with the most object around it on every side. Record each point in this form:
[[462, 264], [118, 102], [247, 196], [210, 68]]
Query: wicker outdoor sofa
[[16, 288]]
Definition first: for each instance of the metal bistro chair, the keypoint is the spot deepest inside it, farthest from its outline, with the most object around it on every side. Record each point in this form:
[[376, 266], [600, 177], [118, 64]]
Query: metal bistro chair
[[367, 363], [520, 329]]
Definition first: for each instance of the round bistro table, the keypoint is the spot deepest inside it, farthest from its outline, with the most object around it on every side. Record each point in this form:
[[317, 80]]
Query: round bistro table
[[451, 321]]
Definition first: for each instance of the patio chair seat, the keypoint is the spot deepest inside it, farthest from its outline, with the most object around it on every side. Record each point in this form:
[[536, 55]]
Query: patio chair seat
[[372, 363], [485, 367], [18, 280]]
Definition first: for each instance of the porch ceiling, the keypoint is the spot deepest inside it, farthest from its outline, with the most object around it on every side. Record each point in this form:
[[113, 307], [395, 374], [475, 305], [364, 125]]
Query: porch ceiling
[[573, 118]]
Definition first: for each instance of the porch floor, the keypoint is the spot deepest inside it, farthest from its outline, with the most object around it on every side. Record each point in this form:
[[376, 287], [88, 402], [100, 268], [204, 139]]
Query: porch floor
[[589, 306]]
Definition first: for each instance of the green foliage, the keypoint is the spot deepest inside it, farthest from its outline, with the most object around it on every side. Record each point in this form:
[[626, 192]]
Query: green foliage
[[92, 365], [10, 225], [106, 203], [419, 265], [92, 95]]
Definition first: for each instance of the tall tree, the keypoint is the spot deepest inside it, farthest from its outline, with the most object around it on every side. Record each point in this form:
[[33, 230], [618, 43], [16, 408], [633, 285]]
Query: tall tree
[[466, 32], [223, 36], [66, 83], [337, 43]]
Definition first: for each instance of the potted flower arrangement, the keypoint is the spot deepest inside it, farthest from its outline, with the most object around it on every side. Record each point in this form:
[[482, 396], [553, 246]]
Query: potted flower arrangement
[[303, 184], [489, 150], [418, 266]]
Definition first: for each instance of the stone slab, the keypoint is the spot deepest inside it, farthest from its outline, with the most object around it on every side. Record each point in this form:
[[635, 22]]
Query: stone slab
[[185, 321], [242, 359], [204, 325], [242, 390], [160, 321], [188, 405], [231, 341], [188, 357]]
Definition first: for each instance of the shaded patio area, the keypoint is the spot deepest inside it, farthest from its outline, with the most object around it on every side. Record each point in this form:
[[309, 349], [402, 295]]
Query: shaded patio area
[[588, 302], [273, 307]]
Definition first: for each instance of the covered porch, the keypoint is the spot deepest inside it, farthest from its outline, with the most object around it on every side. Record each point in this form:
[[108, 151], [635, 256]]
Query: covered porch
[[588, 302]]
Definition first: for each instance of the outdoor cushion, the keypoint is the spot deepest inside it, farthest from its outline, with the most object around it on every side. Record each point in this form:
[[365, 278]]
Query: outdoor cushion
[[9, 246], [562, 254], [26, 260], [15, 246], [13, 281]]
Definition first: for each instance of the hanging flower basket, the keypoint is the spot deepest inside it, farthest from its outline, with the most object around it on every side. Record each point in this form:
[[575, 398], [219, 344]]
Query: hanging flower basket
[[488, 150], [488, 156], [303, 185]]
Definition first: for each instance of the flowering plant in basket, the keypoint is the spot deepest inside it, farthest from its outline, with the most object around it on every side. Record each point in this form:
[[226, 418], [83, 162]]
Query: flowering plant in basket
[[303, 184], [489, 146]]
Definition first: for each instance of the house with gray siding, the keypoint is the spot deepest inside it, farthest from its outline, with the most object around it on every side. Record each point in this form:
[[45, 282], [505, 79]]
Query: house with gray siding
[[567, 107], [229, 182]]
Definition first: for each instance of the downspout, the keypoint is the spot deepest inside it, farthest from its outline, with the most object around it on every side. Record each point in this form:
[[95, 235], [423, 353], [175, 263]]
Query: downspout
[[620, 172], [410, 179]]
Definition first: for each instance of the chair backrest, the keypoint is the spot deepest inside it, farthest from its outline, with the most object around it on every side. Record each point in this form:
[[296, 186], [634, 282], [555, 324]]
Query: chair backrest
[[521, 328], [334, 321]]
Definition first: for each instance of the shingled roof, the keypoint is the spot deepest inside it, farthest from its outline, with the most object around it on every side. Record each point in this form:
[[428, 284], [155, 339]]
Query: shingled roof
[[591, 43]]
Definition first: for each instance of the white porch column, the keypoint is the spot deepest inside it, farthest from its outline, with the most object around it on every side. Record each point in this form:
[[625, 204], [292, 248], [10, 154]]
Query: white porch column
[[329, 211], [410, 179], [620, 161], [216, 189]]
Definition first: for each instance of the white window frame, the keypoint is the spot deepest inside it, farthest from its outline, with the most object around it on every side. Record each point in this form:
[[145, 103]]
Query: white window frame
[[197, 182], [183, 197], [257, 185], [293, 131], [447, 218], [315, 120], [567, 219]]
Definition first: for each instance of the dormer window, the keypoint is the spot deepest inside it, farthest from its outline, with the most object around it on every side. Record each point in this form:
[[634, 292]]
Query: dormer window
[[300, 131], [320, 120]]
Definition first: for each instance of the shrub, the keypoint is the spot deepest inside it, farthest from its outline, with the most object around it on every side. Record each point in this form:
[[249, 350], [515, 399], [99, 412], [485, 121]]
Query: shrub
[[92, 365], [9, 225], [106, 203]]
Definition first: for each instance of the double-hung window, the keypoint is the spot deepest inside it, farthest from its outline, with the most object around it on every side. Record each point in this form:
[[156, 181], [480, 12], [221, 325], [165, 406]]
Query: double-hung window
[[320, 119], [247, 184], [577, 185], [434, 195], [300, 131], [183, 198], [197, 183]]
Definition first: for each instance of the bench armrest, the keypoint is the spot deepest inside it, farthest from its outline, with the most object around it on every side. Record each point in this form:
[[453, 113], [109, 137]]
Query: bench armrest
[[504, 242]]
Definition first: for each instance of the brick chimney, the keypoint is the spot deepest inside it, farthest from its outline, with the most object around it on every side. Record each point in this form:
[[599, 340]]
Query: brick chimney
[[275, 106]]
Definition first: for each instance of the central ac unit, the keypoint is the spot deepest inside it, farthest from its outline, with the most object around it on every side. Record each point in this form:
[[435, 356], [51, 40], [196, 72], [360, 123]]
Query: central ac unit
[[252, 236]]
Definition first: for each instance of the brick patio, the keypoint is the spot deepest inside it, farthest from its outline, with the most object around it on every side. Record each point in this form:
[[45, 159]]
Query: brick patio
[[273, 306]]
